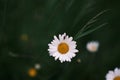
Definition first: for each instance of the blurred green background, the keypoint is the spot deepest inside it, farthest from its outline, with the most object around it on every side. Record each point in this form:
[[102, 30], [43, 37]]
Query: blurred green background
[[27, 26]]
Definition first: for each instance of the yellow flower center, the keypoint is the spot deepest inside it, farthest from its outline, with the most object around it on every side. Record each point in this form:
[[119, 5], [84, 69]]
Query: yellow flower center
[[63, 48], [117, 78], [32, 72]]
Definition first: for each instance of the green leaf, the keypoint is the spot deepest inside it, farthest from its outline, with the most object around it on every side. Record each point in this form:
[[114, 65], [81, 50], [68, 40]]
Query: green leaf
[[89, 23], [90, 31]]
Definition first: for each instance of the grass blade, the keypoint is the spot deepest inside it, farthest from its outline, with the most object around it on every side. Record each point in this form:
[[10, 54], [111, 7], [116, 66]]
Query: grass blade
[[90, 31]]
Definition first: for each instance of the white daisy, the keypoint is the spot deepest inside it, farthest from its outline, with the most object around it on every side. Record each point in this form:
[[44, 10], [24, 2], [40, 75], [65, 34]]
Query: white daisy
[[63, 48], [92, 46], [113, 75]]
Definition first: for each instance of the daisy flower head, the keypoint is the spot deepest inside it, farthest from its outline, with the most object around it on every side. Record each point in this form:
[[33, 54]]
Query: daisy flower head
[[113, 75], [63, 48], [92, 46]]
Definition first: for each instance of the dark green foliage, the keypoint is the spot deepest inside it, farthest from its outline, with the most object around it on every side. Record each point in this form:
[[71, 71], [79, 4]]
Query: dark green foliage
[[40, 20]]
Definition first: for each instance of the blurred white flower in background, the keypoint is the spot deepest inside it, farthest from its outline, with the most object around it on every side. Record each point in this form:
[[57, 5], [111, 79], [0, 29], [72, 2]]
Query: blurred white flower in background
[[37, 66], [92, 46], [113, 75], [63, 48]]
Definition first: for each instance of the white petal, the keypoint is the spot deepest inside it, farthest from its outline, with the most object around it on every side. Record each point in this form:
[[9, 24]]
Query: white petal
[[56, 57], [56, 39]]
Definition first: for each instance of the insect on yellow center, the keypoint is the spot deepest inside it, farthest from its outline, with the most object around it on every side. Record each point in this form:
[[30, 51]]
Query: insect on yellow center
[[63, 48], [117, 78]]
